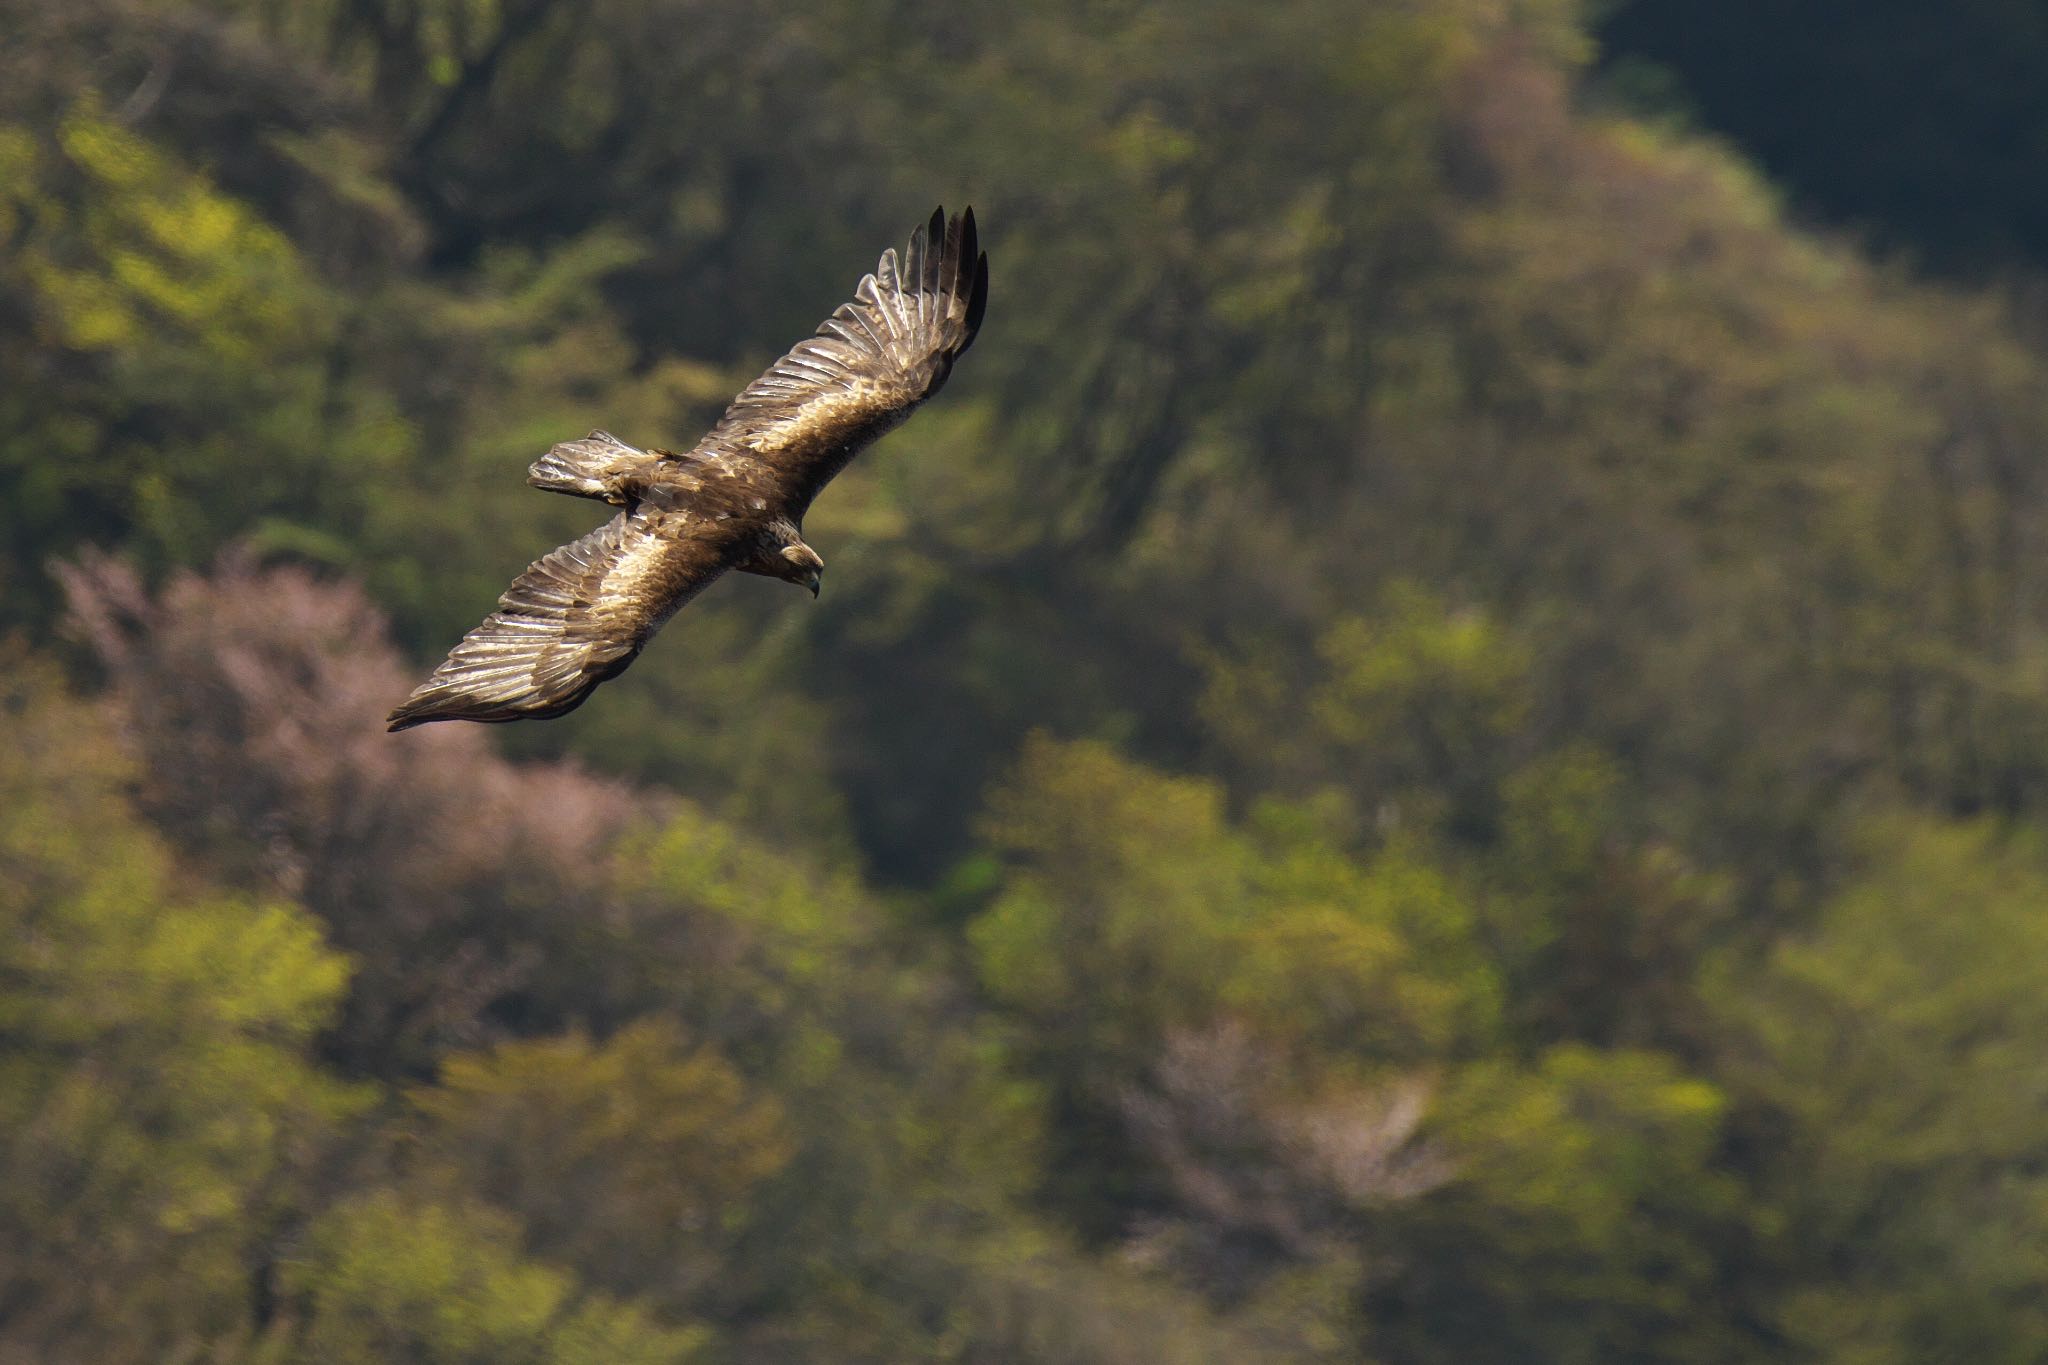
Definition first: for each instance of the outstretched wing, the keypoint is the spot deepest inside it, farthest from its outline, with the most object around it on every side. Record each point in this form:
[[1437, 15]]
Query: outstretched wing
[[575, 618], [869, 364]]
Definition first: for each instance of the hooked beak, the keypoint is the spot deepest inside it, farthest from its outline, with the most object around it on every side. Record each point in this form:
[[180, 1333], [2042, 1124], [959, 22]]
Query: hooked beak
[[814, 582]]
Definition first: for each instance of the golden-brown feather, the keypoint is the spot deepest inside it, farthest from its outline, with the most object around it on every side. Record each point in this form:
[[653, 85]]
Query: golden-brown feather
[[580, 614], [868, 366], [576, 617]]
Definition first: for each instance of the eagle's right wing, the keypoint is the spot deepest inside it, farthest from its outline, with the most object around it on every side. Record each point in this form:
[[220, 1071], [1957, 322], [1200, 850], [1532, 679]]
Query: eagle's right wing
[[575, 618]]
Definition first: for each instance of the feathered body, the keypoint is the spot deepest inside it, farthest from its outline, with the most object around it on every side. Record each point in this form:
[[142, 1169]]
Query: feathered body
[[736, 500]]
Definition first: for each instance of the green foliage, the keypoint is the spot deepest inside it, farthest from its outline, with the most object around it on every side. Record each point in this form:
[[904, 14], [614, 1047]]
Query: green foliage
[[158, 1110], [1416, 712], [1893, 1041], [634, 1161], [1134, 908], [143, 290], [1528, 626], [1130, 895], [386, 1279], [1379, 958], [1590, 1177]]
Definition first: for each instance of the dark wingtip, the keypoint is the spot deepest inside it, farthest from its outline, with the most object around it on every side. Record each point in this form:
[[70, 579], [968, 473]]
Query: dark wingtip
[[918, 255], [977, 301], [935, 251], [413, 711], [964, 245]]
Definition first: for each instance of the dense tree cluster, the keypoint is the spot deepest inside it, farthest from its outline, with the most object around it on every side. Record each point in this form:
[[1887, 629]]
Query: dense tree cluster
[[1433, 755]]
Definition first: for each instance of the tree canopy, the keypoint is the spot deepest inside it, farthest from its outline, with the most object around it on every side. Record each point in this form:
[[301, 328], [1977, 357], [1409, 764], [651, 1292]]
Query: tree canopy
[[1433, 755]]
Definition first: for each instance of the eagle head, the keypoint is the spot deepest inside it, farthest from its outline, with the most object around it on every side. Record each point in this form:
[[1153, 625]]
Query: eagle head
[[806, 566]]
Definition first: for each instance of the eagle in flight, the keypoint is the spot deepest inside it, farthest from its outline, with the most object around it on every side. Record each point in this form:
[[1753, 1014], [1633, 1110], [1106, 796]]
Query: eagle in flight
[[735, 501]]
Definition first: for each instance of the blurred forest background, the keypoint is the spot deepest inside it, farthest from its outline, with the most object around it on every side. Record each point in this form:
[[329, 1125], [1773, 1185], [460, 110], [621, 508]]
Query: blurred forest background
[[1435, 753]]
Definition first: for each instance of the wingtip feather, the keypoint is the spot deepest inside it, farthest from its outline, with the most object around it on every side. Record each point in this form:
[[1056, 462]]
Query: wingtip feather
[[977, 301], [965, 247]]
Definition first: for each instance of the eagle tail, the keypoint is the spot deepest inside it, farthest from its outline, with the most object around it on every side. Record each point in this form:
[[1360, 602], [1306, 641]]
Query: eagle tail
[[598, 466]]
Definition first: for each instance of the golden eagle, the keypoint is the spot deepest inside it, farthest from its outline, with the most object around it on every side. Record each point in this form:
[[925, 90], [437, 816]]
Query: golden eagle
[[736, 501]]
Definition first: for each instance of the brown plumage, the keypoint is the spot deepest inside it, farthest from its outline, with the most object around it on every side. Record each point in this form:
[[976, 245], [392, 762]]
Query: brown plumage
[[736, 501]]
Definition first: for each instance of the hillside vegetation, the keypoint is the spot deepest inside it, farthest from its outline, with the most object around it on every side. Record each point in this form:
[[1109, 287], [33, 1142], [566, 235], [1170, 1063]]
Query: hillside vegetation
[[1434, 753]]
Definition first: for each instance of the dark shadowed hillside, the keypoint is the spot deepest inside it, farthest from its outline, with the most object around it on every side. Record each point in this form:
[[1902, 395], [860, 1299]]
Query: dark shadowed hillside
[[1925, 127]]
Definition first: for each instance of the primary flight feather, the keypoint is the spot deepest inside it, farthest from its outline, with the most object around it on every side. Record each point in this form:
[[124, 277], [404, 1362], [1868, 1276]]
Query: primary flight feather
[[580, 614]]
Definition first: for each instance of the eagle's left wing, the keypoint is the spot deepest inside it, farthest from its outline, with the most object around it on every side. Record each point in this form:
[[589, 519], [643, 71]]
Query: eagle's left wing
[[869, 364]]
